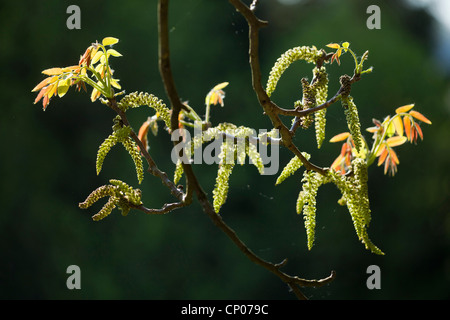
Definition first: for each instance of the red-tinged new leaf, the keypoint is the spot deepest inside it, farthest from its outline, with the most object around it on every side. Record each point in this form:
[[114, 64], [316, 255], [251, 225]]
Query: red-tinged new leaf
[[41, 84], [418, 130], [404, 108], [393, 156], [340, 137], [396, 141], [143, 131], [45, 102], [41, 94], [382, 157], [419, 116]]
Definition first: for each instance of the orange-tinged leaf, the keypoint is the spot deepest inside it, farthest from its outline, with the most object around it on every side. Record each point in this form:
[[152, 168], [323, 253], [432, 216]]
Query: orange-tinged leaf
[[340, 137], [393, 156], [382, 157], [143, 131], [41, 94], [41, 84], [333, 45], [70, 68], [407, 123], [45, 102], [109, 41], [398, 124], [52, 71], [396, 141], [337, 162], [419, 116], [380, 150], [404, 108], [418, 130]]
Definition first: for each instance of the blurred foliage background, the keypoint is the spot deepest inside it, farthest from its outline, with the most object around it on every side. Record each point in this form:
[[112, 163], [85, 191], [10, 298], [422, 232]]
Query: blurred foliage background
[[48, 158]]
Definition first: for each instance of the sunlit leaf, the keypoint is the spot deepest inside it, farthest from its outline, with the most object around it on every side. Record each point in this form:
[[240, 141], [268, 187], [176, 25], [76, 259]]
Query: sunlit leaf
[[97, 57], [373, 129], [52, 90], [398, 124], [113, 53], [380, 150], [404, 108], [108, 41], [220, 86], [52, 71], [340, 137], [115, 84], [95, 94], [390, 129], [419, 116], [63, 86], [396, 141], [333, 45]]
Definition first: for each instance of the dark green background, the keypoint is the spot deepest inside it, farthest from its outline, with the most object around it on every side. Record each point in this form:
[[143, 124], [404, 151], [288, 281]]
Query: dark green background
[[48, 158]]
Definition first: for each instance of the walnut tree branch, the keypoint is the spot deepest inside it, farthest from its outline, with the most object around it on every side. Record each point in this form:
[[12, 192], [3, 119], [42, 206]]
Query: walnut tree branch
[[164, 60]]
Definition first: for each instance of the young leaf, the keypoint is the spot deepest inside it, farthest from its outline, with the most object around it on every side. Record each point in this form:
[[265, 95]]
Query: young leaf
[[109, 41], [419, 116], [404, 109], [396, 141], [340, 137], [398, 124], [52, 71], [113, 53]]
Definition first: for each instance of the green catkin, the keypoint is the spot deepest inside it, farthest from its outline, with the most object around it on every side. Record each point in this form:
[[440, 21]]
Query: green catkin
[[355, 195], [120, 194], [135, 154], [135, 99], [321, 88], [307, 201], [351, 114], [220, 191], [104, 149], [178, 172], [309, 54], [107, 209], [97, 194], [129, 193], [293, 165]]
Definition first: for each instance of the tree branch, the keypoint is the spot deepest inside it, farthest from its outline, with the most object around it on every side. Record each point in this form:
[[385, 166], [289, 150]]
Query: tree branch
[[193, 184]]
